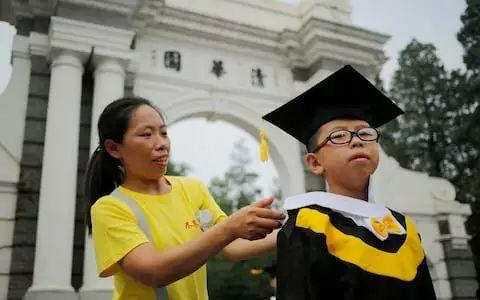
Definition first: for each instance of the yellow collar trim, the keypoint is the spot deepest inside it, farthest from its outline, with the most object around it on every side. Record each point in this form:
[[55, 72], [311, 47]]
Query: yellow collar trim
[[402, 265]]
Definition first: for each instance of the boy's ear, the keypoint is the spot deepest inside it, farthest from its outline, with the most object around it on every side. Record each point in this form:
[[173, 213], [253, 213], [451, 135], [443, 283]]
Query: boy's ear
[[112, 148], [314, 164]]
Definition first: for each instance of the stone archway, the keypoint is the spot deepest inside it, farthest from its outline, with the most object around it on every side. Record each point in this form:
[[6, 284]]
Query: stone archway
[[284, 154]]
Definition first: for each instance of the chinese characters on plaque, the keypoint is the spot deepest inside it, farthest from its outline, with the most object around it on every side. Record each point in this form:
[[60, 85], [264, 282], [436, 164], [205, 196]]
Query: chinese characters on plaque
[[172, 59]]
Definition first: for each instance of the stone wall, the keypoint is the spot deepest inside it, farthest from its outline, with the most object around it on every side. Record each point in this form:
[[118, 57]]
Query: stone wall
[[461, 271]]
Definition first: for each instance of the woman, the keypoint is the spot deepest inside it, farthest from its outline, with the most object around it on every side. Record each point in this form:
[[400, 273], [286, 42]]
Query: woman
[[133, 154]]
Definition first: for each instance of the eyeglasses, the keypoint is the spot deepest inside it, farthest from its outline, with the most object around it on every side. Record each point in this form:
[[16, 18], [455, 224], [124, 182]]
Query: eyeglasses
[[342, 136]]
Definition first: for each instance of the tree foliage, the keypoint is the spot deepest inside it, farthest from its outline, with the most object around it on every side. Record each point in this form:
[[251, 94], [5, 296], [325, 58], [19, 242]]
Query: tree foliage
[[433, 135], [177, 169], [469, 35], [235, 189], [440, 132]]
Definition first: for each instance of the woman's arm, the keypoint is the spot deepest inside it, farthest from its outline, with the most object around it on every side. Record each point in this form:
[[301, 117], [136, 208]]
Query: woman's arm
[[153, 268], [241, 249]]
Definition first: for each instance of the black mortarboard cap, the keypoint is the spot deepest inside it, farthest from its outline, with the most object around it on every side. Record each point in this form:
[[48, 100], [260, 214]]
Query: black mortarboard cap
[[345, 93]]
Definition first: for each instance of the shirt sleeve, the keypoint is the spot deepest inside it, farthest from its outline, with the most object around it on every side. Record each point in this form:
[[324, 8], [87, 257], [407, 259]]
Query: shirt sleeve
[[198, 194], [115, 233], [209, 203]]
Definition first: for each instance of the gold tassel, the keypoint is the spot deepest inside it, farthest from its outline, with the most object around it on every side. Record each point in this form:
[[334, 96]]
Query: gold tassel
[[263, 147]]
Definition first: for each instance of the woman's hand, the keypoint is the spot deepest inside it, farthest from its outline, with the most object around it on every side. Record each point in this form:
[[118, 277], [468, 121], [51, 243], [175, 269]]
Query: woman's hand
[[254, 221]]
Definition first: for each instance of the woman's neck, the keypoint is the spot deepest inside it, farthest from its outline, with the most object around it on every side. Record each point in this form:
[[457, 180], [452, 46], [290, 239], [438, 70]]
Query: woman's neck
[[147, 186], [357, 189]]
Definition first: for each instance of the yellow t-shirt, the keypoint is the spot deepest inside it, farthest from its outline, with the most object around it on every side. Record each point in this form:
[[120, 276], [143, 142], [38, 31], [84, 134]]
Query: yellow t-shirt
[[171, 219]]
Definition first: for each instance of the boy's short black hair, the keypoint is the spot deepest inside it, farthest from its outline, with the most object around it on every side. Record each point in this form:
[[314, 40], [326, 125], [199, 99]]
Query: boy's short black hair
[[313, 142]]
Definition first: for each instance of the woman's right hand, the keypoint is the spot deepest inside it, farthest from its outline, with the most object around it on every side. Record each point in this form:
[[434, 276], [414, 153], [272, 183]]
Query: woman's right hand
[[254, 221]]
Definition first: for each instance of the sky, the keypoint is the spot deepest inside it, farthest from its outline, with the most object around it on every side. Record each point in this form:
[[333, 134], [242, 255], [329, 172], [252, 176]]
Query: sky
[[429, 21]]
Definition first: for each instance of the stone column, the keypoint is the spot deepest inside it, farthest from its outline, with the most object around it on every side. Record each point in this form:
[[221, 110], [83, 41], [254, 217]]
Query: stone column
[[109, 84], [14, 108], [56, 215]]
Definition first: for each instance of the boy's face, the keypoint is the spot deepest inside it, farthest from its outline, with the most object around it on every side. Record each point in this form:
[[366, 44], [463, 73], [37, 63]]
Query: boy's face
[[341, 163]]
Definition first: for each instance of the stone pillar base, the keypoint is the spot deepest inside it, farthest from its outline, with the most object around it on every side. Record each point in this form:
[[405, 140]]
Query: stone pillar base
[[96, 294], [50, 294]]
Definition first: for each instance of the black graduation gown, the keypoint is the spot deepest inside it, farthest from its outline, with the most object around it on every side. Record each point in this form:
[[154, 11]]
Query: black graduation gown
[[324, 255]]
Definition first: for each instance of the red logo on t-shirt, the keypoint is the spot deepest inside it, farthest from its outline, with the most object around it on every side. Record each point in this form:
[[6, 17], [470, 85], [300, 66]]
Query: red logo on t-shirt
[[192, 224]]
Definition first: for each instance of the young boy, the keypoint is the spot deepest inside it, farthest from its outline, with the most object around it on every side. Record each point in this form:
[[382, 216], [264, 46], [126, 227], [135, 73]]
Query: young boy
[[339, 244]]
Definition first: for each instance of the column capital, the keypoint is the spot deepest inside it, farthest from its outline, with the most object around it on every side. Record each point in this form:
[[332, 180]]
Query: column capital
[[83, 39], [20, 47], [38, 44], [66, 36], [102, 55], [96, 40], [109, 65], [52, 47], [68, 58]]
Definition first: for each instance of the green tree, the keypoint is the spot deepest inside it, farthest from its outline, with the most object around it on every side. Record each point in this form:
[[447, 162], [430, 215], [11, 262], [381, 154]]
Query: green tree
[[237, 188], [430, 136], [418, 86], [440, 131], [469, 37], [237, 281], [378, 82], [177, 169]]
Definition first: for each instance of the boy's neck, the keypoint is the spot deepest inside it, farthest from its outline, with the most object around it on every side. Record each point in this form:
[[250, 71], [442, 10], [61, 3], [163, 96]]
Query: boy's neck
[[357, 190]]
